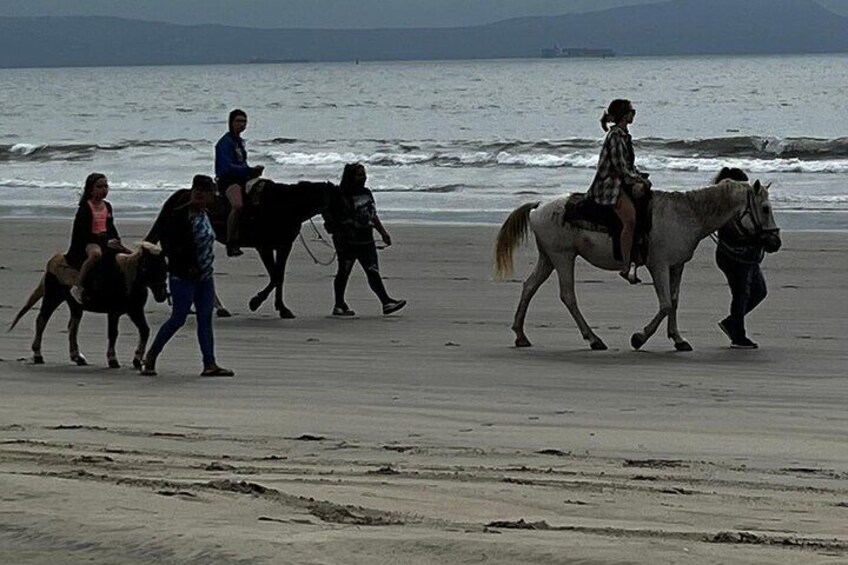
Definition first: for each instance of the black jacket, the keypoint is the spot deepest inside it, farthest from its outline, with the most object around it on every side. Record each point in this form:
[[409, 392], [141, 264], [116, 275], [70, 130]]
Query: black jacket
[[81, 233], [737, 244], [173, 231]]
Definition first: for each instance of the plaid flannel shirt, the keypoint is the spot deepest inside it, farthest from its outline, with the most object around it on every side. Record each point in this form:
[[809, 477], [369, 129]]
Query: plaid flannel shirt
[[615, 166]]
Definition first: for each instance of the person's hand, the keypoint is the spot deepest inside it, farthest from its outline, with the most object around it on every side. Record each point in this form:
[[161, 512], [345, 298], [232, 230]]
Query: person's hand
[[115, 244], [387, 239]]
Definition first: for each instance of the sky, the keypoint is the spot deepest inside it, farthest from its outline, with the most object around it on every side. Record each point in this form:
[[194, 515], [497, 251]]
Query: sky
[[323, 13]]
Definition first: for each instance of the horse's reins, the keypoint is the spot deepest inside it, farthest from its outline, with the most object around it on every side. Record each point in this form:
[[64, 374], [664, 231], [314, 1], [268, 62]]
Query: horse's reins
[[322, 240]]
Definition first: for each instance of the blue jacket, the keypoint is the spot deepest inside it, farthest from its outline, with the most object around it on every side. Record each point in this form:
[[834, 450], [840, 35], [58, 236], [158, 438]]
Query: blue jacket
[[231, 158]]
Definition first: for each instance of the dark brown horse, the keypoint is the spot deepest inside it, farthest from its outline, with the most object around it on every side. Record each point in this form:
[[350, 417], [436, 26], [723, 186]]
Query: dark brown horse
[[118, 291], [270, 222]]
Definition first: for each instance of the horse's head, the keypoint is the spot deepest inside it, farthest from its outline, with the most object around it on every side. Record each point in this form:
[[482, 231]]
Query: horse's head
[[758, 217], [152, 270]]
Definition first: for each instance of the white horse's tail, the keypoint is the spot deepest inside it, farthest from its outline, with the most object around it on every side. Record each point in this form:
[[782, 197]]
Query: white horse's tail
[[513, 232]]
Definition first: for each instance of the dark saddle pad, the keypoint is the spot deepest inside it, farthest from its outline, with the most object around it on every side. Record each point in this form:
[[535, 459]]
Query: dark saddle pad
[[584, 213], [105, 285]]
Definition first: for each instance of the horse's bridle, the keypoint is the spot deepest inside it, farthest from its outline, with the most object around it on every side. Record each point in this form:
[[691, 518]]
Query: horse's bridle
[[753, 212]]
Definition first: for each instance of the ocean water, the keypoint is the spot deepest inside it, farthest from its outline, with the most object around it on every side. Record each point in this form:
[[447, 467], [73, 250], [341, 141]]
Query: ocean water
[[442, 141]]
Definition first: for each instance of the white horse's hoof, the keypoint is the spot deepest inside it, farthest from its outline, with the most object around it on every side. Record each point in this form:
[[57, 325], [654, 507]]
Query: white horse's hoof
[[637, 340]]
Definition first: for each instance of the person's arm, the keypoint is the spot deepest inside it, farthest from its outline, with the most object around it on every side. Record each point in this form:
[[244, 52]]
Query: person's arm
[[225, 160], [381, 229], [81, 227], [618, 160]]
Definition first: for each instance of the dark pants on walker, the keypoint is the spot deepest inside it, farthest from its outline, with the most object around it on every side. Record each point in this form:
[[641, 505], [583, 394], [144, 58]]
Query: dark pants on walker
[[747, 288], [184, 293], [348, 254]]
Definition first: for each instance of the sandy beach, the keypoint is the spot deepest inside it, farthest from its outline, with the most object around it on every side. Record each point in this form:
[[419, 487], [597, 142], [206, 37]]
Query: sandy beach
[[426, 437]]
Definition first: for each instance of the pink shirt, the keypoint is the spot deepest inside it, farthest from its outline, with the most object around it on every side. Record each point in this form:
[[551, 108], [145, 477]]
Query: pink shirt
[[98, 219]]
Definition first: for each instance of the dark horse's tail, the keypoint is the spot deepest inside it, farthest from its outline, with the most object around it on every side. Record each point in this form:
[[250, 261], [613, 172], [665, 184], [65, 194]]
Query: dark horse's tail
[[511, 235], [36, 295]]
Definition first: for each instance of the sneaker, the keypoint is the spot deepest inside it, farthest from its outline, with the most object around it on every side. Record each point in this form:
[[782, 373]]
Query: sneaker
[[343, 311], [393, 306], [77, 293], [148, 367], [217, 372], [743, 343], [234, 250]]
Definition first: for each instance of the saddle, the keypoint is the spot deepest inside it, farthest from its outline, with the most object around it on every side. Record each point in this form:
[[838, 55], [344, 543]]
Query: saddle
[[104, 285], [584, 213]]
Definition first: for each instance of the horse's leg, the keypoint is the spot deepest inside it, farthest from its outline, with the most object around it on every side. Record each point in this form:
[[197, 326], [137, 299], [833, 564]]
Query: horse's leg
[[662, 285], [267, 256], [52, 299], [112, 332], [137, 317], [280, 270], [680, 344], [540, 274], [73, 331], [565, 270]]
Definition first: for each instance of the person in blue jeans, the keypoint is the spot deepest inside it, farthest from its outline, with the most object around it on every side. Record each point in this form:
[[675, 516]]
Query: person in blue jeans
[[185, 233]]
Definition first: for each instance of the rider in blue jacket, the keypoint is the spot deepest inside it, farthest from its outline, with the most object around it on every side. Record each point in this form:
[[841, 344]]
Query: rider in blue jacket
[[233, 172]]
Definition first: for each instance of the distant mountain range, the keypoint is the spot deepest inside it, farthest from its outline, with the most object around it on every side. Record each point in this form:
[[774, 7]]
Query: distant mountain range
[[677, 27]]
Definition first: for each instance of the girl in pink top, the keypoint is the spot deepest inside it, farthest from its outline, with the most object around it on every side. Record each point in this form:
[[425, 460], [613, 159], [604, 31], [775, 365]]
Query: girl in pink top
[[94, 230]]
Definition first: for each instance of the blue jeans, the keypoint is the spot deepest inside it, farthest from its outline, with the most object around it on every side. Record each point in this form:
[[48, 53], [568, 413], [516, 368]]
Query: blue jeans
[[184, 293], [747, 289]]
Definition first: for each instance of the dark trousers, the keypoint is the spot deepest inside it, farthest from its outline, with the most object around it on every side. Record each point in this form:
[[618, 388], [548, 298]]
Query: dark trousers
[[184, 293], [747, 289], [366, 254]]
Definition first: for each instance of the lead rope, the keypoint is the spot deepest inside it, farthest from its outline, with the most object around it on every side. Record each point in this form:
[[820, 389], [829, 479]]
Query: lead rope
[[321, 240]]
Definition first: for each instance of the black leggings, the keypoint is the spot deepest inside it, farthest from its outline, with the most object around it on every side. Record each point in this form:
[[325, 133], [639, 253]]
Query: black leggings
[[366, 254]]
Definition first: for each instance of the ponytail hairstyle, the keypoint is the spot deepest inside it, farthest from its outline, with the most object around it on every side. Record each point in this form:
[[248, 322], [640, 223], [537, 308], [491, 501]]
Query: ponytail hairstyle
[[88, 188], [732, 173], [233, 115], [617, 109], [349, 182]]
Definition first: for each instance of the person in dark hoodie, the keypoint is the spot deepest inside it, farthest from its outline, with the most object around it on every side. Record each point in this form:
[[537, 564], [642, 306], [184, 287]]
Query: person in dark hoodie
[[185, 233], [233, 172], [738, 255]]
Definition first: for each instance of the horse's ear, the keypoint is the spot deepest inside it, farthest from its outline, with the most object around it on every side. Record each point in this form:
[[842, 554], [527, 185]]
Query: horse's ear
[[757, 186]]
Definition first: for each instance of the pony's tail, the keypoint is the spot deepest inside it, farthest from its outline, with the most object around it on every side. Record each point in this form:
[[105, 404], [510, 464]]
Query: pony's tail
[[512, 233], [36, 295]]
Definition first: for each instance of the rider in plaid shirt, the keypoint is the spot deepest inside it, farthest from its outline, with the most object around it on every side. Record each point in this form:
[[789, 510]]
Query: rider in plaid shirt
[[616, 169]]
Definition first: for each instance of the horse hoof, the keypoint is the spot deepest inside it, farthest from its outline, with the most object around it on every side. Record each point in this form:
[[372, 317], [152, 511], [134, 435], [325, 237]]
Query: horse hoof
[[522, 342], [637, 340], [287, 314], [137, 364], [598, 345], [255, 303], [37, 360], [113, 364], [79, 360], [224, 313], [683, 346]]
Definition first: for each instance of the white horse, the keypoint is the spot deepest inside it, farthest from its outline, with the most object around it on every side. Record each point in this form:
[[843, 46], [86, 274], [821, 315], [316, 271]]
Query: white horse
[[680, 220]]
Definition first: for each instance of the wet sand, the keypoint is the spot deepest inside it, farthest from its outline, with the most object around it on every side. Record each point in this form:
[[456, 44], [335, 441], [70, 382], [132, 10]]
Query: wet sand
[[425, 437]]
